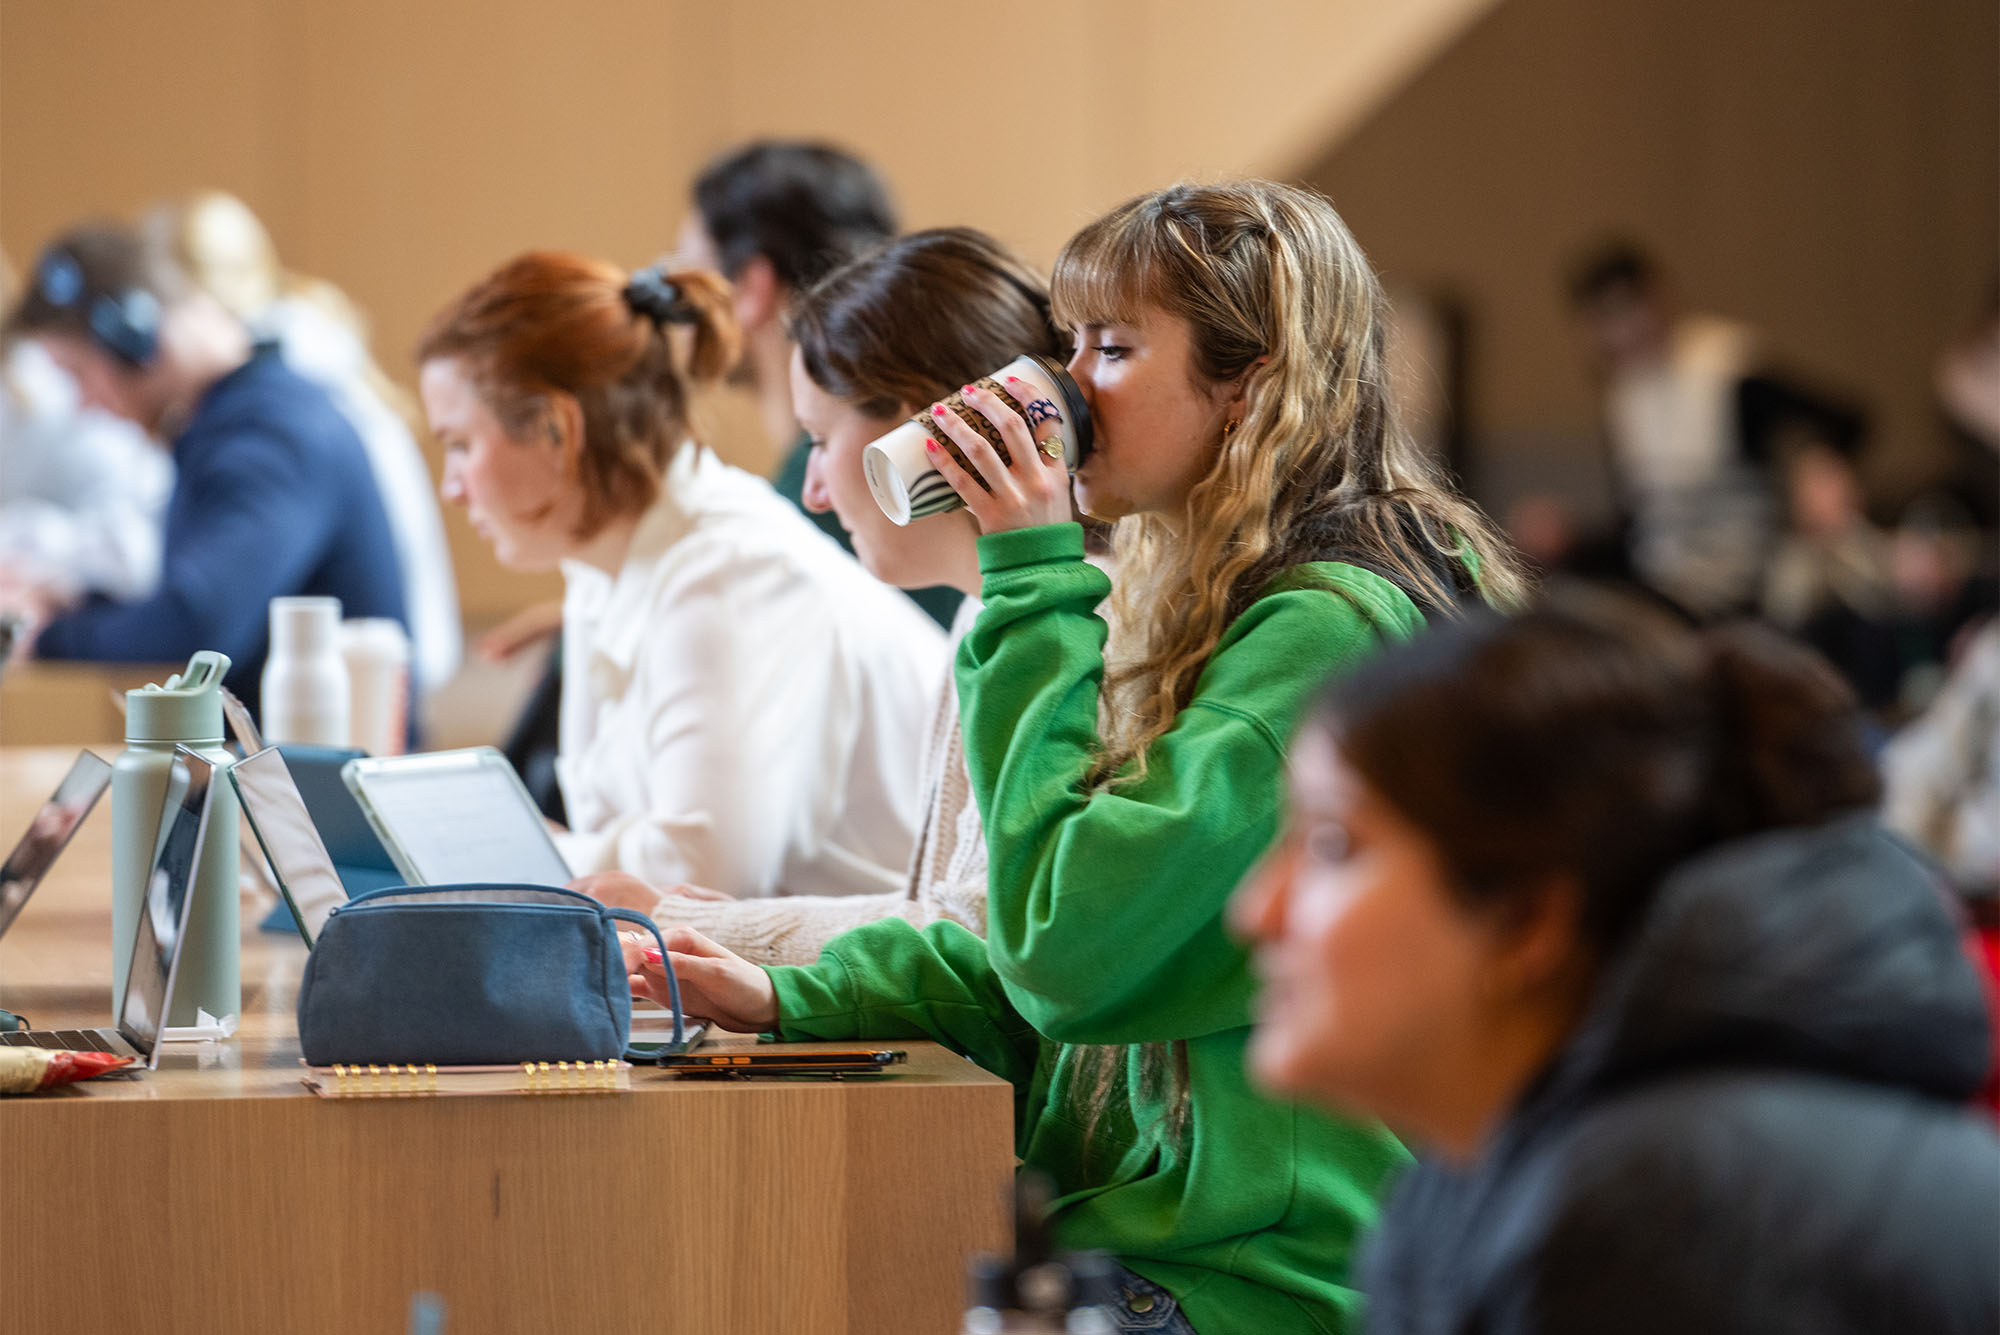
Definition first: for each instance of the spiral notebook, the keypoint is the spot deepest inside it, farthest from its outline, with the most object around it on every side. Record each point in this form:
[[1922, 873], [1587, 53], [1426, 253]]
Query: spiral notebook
[[413, 1081]]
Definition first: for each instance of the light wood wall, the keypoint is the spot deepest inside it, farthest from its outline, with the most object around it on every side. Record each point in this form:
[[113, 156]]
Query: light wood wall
[[1828, 170], [401, 148]]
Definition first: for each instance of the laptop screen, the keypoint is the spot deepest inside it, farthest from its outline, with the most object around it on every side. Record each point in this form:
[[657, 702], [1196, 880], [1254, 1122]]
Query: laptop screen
[[163, 919], [284, 829], [48, 833]]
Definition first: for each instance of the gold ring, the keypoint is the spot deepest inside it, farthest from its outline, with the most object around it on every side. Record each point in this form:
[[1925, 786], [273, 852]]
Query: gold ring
[[1053, 447]]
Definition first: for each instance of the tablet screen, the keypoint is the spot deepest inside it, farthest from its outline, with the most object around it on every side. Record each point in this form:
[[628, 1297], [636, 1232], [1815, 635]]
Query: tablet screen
[[458, 817]]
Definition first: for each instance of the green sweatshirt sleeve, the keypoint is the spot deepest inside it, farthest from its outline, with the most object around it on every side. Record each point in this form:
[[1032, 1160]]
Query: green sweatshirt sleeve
[[1105, 909], [890, 980]]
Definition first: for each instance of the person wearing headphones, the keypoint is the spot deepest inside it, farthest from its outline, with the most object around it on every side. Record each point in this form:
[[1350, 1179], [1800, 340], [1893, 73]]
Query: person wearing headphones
[[272, 494]]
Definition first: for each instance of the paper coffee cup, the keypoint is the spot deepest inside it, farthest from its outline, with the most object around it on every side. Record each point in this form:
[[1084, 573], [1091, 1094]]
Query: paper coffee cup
[[898, 466]]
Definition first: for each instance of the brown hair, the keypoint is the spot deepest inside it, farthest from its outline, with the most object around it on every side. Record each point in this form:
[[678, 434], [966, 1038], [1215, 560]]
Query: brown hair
[[547, 323], [1599, 738], [913, 320]]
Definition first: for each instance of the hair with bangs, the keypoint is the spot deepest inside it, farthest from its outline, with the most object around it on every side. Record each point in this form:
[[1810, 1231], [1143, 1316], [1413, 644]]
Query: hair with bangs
[[1276, 294], [1319, 469]]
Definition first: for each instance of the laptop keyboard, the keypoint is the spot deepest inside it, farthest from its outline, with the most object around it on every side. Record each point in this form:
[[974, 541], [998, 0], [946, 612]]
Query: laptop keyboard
[[76, 1040]]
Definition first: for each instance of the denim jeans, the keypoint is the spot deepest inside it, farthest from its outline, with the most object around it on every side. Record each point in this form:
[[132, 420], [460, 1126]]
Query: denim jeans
[[1145, 1306]]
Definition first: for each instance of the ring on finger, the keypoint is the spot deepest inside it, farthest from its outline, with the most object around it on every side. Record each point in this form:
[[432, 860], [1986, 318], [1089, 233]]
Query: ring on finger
[[1053, 446]]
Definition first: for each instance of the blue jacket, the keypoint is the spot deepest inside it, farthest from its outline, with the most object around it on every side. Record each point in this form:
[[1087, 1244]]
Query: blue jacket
[[1758, 1127], [273, 496]]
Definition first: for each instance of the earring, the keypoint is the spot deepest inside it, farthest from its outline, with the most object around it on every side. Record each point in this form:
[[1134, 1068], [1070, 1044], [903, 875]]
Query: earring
[[1229, 429]]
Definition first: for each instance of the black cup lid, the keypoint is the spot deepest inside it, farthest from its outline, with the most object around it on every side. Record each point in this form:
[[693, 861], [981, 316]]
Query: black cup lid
[[1073, 400]]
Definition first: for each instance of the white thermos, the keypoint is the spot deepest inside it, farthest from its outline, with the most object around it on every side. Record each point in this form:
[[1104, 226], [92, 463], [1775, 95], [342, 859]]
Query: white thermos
[[378, 673], [305, 686]]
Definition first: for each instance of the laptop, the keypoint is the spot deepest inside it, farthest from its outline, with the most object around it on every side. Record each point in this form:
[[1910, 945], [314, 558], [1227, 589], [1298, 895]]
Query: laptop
[[48, 834], [310, 884], [149, 982], [456, 818]]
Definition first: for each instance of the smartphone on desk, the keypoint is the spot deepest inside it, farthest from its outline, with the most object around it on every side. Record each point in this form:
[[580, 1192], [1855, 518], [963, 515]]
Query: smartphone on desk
[[837, 1061]]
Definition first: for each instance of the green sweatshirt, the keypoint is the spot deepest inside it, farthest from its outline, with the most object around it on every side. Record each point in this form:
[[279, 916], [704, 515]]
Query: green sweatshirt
[[1106, 927]]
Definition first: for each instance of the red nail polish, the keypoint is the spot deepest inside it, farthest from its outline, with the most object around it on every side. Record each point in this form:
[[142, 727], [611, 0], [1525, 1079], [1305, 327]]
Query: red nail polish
[[652, 955], [931, 445], [970, 389], [937, 411], [1013, 380]]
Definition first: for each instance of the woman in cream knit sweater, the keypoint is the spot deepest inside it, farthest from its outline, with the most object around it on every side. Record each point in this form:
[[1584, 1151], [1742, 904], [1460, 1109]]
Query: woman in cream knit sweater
[[877, 340]]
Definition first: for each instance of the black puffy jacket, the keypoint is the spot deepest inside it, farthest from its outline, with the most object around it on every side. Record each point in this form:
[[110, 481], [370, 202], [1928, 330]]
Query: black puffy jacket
[[1758, 1126]]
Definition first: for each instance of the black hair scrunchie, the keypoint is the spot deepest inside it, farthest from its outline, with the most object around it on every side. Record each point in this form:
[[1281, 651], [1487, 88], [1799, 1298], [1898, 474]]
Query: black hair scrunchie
[[650, 293]]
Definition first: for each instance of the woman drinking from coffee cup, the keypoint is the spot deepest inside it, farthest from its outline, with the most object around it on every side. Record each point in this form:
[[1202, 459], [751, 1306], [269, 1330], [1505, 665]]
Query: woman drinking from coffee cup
[[893, 330], [741, 701], [1596, 911], [1274, 523]]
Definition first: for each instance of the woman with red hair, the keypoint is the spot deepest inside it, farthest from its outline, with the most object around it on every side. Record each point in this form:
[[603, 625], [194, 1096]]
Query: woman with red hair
[[742, 703]]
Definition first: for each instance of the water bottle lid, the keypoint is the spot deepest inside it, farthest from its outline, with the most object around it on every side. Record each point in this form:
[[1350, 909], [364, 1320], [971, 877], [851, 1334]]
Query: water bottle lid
[[305, 625], [187, 709]]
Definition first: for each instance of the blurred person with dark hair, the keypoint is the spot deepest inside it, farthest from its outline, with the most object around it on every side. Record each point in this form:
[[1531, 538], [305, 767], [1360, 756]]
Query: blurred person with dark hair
[[218, 242], [272, 494], [1691, 412], [742, 706], [1593, 908], [774, 217], [83, 494]]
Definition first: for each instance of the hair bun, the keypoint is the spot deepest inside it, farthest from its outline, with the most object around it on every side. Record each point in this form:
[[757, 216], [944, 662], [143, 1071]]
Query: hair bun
[[652, 294]]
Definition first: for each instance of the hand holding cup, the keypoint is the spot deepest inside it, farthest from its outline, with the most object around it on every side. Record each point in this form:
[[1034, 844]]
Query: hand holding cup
[[1002, 447], [1015, 485]]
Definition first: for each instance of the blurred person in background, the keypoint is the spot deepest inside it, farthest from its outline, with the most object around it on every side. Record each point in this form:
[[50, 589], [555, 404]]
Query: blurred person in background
[[1967, 381], [1829, 581], [218, 242], [83, 494], [774, 217], [742, 705], [272, 495], [1941, 574], [1690, 412], [1594, 910]]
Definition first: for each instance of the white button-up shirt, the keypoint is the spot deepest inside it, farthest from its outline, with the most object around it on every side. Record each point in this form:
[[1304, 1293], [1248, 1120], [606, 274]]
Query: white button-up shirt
[[744, 706]]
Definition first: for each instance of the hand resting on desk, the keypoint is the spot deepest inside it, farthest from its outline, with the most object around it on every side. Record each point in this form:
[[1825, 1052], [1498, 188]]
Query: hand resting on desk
[[622, 890], [716, 984]]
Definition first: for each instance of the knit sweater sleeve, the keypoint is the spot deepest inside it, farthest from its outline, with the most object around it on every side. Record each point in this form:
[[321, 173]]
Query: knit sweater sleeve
[[788, 929], [1105, 904]]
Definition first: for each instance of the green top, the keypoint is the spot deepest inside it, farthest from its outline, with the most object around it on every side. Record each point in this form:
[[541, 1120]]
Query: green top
[[1106, 927]]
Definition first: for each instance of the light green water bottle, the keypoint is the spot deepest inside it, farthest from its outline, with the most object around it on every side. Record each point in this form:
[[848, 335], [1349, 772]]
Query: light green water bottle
[[187, 711]]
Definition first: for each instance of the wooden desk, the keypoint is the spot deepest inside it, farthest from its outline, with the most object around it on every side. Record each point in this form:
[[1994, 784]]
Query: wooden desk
[[216, 1195]]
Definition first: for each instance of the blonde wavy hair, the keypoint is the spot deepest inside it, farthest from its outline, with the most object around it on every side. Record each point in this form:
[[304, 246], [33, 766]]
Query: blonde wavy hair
[[1319, 468], [1277, 294]]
